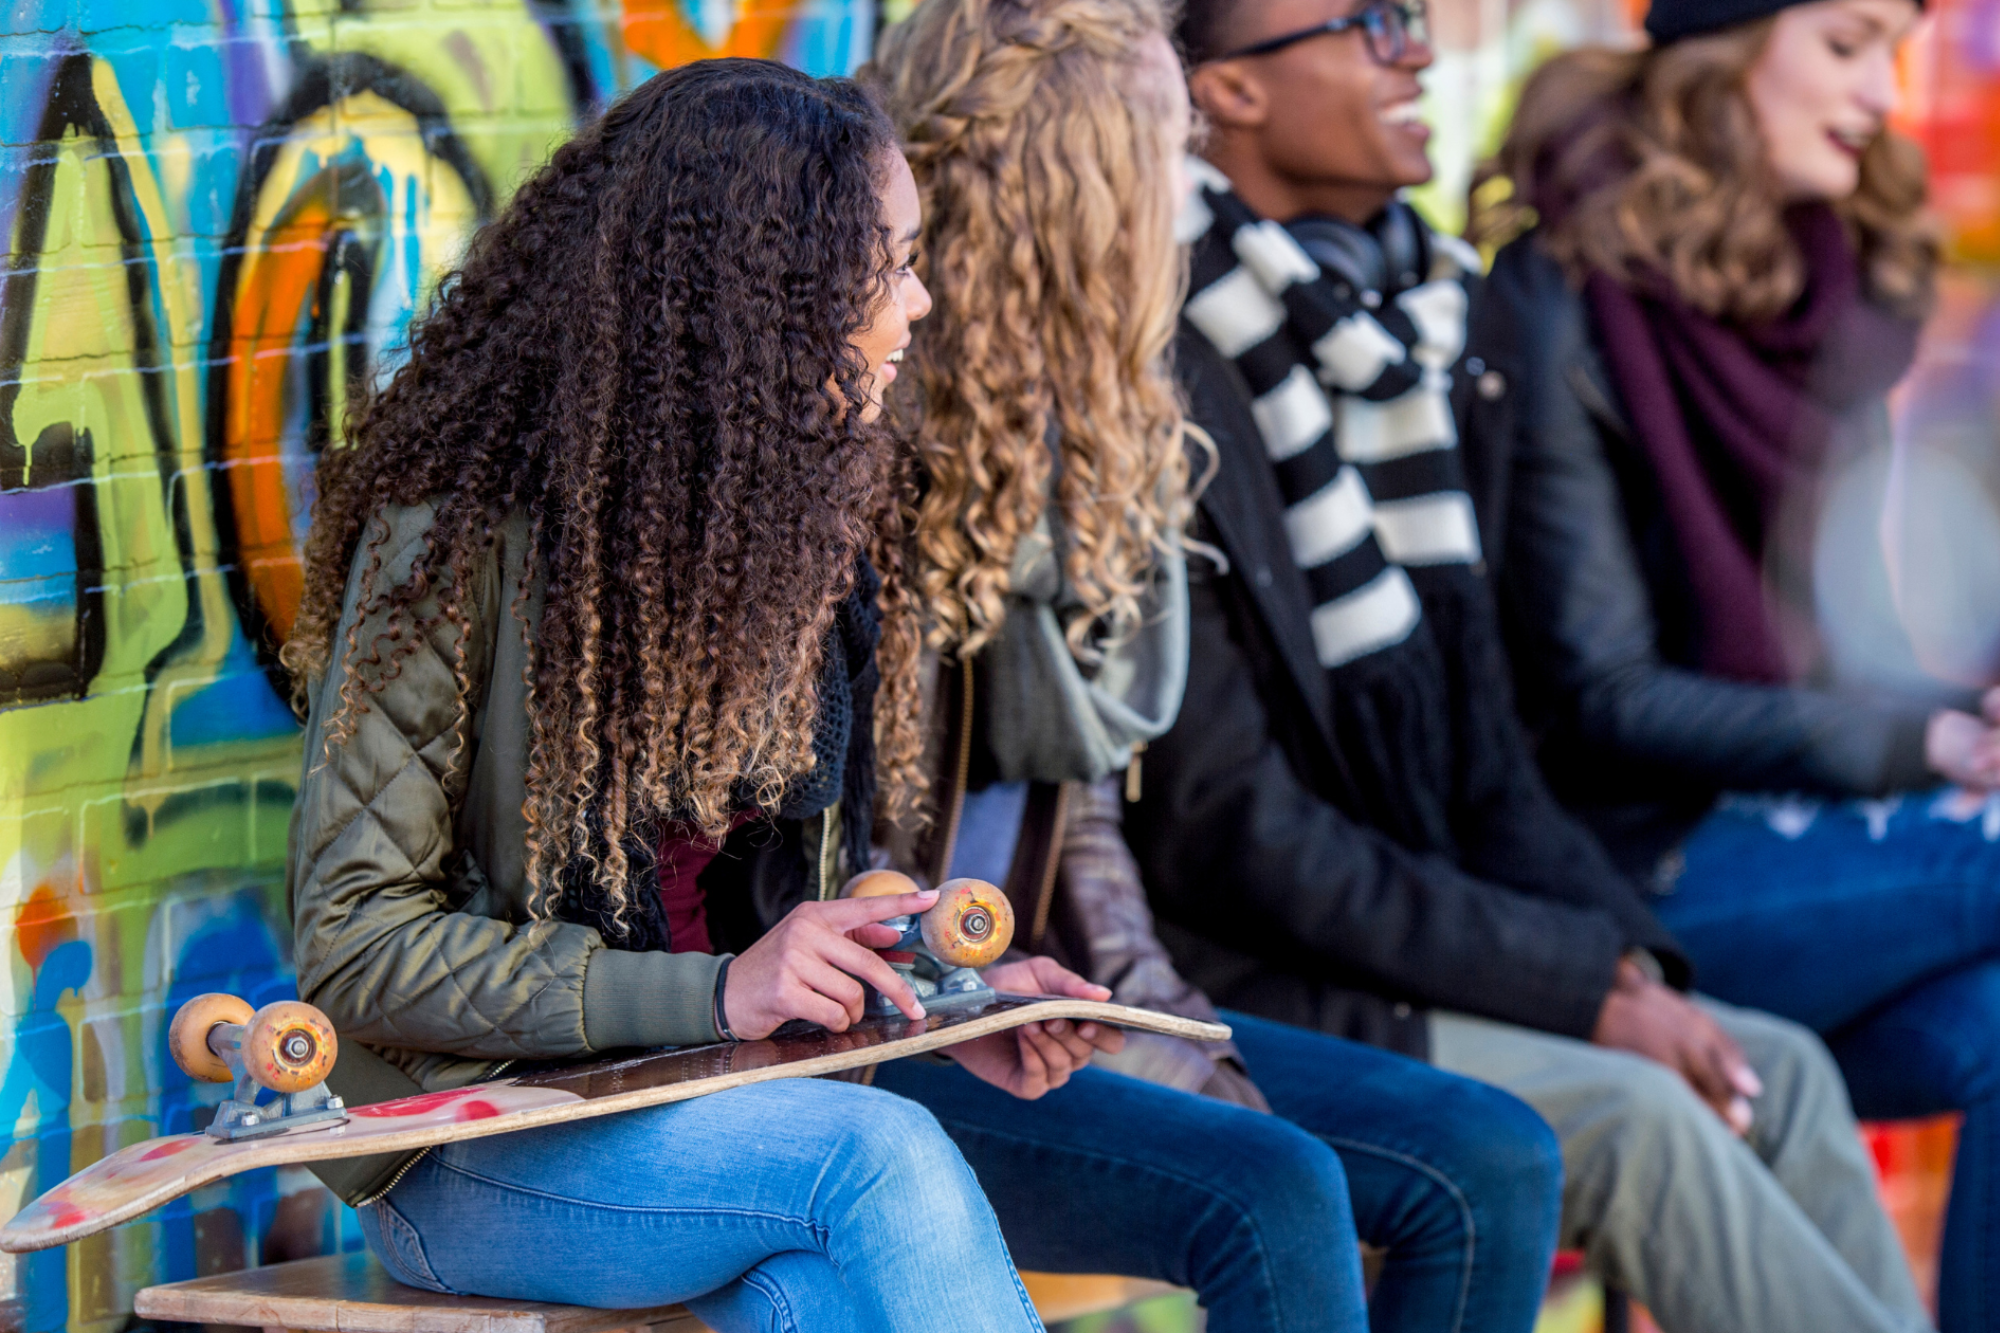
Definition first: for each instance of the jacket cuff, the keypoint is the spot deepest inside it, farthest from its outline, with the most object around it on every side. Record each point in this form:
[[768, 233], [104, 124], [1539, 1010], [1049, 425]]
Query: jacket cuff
[[1569, 1008], [1906, 766], [649, 999]]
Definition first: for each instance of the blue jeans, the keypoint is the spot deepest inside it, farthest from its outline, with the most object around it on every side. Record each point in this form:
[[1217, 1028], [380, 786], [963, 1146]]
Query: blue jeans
[[801, 1205], [1459, 1182], [1876, 924]]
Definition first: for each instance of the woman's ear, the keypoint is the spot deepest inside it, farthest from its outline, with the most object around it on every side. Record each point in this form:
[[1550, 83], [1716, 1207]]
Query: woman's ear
[[1229, 95]]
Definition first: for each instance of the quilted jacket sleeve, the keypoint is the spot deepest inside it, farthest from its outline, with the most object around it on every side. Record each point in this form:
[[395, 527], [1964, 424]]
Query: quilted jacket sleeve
[[374, 877]]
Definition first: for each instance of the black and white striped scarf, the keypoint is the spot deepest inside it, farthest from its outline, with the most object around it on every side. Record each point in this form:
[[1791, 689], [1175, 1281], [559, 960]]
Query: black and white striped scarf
[[1351, 396]]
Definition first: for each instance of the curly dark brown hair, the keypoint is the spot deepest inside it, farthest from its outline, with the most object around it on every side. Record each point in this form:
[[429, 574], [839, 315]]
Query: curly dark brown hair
[[648, 354]]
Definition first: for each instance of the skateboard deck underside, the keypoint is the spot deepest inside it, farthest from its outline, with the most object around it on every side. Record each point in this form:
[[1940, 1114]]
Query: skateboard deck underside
[[139, 1178]]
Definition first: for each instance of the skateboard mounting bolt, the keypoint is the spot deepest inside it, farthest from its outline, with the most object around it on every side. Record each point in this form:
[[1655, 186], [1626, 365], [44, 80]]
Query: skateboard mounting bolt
[[298, 1047], [977, 923]]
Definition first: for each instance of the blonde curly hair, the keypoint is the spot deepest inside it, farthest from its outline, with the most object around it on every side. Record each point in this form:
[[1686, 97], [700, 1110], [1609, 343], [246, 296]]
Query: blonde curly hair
[[1037, 145]]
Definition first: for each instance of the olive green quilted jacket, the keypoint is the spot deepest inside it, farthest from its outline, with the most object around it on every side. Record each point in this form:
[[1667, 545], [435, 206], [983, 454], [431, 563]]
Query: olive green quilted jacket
[[409, 903]]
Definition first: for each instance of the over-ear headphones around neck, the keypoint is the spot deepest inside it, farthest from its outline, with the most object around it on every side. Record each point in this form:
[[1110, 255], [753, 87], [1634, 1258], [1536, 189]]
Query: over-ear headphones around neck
[[1386, 257]]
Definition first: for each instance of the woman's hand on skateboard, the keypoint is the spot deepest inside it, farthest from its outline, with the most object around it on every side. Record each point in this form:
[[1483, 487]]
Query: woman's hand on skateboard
[[1036, 1057], [811, 966]]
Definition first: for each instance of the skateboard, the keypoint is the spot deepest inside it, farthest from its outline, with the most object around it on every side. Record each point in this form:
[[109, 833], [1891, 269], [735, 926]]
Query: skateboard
[[286, 1049]]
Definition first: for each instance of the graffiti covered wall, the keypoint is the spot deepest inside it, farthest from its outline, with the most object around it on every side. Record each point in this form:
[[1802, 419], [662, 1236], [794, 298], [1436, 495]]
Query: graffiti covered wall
[[220, 217]]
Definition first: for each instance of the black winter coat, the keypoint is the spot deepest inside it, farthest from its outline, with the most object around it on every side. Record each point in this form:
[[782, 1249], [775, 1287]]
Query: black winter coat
[[1598, 616], [1273, 895]]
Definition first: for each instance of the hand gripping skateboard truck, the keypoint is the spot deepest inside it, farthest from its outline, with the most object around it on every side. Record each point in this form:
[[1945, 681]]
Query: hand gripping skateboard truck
[[968, 927], [286, 1047]]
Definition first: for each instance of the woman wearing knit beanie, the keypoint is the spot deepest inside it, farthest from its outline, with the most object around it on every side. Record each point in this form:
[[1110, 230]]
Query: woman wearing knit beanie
[[1728, 267]]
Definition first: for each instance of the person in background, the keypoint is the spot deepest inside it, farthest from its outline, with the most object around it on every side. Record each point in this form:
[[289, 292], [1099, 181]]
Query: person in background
[[603, 576], [1346, 829], [1049, 140], [1729, 271]]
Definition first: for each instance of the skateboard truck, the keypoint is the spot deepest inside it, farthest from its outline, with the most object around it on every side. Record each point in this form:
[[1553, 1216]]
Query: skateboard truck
[[286, 1047], [969, 927]]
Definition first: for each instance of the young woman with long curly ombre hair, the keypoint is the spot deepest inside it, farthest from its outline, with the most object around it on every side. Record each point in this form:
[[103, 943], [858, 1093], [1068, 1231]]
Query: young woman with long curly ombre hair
[[1048, 139], [610, 580], [1729, 267]]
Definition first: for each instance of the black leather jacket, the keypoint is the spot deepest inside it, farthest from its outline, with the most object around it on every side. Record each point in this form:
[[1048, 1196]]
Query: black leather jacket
[[1598, 617], [1272, 895]]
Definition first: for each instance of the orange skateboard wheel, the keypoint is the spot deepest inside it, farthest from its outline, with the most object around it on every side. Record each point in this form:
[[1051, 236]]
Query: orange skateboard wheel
[[290, 1047], [187, 1038], [878, 884], [971, 924]]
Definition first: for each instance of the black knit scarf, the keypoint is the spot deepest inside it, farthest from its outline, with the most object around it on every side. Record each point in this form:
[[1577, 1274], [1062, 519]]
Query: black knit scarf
[[1347, 390], [844, 751], [1350, 390]]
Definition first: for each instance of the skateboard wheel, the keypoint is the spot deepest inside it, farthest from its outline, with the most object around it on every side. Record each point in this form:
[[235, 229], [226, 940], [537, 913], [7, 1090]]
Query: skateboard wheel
[[878, 884], [290, 1047], [187, 1038], [971, 924]]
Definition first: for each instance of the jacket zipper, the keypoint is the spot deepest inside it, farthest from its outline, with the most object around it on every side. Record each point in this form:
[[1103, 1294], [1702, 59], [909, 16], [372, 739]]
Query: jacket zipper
[[829, 848], [419, 1154]]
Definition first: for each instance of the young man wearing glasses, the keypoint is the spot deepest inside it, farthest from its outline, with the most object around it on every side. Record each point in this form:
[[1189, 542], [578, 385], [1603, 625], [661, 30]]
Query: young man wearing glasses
[[1346, 829]]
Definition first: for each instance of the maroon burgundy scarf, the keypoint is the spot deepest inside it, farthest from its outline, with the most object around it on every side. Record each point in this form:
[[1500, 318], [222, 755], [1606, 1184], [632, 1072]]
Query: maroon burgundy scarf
[[1732, 416]]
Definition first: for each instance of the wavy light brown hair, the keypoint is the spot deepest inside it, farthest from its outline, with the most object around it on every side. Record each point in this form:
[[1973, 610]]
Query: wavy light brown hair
[[1049, 246], [649, 355], [1649, 163]]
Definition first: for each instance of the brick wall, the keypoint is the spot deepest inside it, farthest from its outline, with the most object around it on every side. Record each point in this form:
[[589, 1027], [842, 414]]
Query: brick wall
[[219, 215]]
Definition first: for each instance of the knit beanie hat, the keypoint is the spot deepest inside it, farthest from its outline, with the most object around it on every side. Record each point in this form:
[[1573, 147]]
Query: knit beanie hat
[[1671, 20]]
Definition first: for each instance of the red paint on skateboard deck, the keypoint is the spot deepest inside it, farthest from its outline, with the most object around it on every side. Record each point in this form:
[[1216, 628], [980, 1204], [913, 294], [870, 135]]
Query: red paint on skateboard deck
[[142, 1177]]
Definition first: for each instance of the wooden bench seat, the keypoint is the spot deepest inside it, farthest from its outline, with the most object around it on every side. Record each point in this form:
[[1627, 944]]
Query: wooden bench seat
[[350, 1293]]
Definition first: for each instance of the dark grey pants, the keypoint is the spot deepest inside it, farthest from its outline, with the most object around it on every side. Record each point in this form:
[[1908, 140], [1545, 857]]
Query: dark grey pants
[[1779, 1233]]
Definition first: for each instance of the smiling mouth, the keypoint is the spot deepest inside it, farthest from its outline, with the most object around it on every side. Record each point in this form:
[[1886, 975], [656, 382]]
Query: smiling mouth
[[894, 357], [1851, 142], [1403, 115]]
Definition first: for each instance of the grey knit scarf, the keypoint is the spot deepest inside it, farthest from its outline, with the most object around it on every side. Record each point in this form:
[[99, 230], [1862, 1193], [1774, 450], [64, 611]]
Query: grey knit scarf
[[1048, 720]]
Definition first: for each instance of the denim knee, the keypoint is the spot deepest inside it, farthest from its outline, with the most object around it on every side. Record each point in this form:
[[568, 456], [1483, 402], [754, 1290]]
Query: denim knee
[[1287, 1174], [1505, 1156], [1936, 1048], [1484, 1132], [888, 1131], [894, 1151]]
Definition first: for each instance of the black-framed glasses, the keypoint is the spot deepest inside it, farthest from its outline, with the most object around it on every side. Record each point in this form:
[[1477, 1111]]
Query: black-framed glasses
[[1392, 27]]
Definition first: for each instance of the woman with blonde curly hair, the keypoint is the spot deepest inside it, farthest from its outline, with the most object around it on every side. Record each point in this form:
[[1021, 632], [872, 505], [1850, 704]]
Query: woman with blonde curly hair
[[1730, 264], [1048, 140]]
